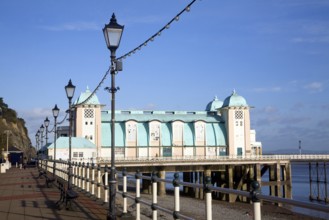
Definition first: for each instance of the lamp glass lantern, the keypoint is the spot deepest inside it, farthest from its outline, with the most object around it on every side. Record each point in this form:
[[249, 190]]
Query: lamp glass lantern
[[37, 136], [46, 122], [42, 128], [70, 88], [113, 33], [55, 111]]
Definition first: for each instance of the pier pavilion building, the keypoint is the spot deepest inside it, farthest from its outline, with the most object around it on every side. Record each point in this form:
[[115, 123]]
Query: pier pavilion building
[[222, 129]]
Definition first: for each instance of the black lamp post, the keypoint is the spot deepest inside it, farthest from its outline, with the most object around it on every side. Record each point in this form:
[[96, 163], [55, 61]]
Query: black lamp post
[[300, 147], [112, 33], [69, 88], [37, 141], [46, 123], [42, 128], [55, 114]]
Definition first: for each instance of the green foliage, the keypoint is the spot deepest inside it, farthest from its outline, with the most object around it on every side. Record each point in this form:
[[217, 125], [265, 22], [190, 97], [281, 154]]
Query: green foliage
[[7, 113]]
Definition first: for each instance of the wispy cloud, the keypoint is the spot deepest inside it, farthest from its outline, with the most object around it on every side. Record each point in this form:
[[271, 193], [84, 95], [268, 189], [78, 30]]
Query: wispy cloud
[[268, 89], [323, 39], [314, 87], [73, 26], [312, 32]]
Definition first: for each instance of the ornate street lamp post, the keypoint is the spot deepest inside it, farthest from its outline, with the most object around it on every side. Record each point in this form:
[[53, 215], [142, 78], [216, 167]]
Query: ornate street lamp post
[[300, 147], [112, 33], [42, 128], [70, 88], [55, 114], [37, 143], [46, 123]]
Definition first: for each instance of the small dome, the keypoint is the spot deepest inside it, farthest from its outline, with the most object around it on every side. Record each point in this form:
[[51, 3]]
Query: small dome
[[214, 105], [85, 95], [235, 100]]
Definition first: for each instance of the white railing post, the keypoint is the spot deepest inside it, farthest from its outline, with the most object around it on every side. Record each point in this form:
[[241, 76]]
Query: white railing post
[[208, 197], [74, 173], [93, 179], [66, 170], [138, 194], [124, 194], [176, 194], [256, 202], [99, 181], [79, 175], [106, 182], [154, 196], [83, 176], [59, 171], [61, 168], [88, 177]]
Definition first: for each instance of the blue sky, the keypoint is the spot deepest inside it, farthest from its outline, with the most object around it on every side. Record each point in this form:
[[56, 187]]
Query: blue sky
[[275, 53]]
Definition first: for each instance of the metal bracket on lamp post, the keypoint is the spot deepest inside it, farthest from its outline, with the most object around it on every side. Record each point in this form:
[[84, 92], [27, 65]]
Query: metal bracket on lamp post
[[112, 90]]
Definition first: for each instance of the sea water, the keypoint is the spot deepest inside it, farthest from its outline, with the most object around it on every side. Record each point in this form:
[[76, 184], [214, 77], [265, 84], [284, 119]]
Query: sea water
[[301, 189]]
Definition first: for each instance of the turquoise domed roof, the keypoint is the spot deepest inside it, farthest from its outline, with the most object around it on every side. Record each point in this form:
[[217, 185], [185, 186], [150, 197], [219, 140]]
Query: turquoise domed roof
[[84, 95], [214, 105], [235, 100]]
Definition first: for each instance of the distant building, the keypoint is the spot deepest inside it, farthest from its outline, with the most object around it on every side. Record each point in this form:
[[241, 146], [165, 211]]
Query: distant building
[[223, 129], [82, 149]]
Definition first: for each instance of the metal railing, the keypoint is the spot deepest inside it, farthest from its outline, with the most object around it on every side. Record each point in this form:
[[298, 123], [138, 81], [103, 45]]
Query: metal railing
[[297, 157], [93, 180]]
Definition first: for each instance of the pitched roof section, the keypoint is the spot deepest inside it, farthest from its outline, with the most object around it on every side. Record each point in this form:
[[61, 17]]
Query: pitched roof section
[[76, 142]]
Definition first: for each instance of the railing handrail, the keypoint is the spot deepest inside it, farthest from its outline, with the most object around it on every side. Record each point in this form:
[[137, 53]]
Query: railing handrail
[[291, 157], [81, 178]]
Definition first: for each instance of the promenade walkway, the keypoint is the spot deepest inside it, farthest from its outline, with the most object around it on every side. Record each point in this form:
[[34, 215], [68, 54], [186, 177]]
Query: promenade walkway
[[23, 196]]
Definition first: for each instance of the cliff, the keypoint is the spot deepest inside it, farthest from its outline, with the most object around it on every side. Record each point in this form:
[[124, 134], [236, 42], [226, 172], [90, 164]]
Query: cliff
[[15, 128]]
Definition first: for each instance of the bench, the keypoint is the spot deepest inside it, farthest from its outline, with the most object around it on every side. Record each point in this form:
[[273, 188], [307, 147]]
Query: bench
[[41, 172], [66, 195], [49, 179]]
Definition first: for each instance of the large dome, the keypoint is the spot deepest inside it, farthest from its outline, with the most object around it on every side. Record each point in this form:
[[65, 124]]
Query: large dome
[[235, 100], [214, 105]]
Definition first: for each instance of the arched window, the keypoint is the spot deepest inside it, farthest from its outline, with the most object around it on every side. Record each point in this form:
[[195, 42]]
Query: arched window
[[177, 133], [131, 133]]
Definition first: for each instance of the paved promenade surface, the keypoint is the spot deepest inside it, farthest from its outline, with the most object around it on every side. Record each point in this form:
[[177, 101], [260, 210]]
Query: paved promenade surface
[[24, 196]]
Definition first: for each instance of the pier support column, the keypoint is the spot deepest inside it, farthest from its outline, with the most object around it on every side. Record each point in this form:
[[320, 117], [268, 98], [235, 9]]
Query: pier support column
[[201, 177], [272, 179], [230, 183], [196, 180], [187, 177], [162, 185], [258, 174], [146, 185], [278, 187], [288, 181]]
